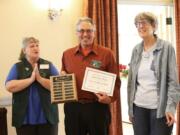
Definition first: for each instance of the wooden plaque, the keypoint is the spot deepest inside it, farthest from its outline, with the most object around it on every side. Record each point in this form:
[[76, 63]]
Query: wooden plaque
[[63, 88]]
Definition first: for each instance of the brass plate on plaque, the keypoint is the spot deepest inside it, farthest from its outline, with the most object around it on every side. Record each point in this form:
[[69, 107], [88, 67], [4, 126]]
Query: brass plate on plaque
[[63, 88]]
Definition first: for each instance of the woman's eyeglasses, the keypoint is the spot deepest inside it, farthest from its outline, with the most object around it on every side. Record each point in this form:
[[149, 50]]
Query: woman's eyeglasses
[[141, 23]]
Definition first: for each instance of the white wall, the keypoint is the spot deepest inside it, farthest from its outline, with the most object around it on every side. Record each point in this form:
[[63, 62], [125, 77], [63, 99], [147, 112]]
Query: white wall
[[161, 2], [20, 18]]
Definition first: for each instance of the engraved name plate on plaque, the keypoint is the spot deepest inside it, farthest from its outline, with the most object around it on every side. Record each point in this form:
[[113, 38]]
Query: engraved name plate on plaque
[[63, 88]]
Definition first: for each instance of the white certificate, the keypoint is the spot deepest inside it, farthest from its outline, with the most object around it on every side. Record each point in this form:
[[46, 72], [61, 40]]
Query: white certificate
[[99, 81]]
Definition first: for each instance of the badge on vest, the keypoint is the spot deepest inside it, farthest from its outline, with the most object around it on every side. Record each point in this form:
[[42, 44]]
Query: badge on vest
[[44, 66], [26, 68], [96, 63]]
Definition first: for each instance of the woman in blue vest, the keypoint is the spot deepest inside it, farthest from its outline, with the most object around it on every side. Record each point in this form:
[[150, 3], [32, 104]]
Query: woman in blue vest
[[28, 81]]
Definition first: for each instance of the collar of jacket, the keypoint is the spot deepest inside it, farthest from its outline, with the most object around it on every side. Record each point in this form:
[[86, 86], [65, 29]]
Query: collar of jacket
[[139, 47]]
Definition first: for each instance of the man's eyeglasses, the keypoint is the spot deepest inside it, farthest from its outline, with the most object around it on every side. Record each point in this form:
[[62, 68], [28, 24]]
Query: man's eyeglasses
[[141, 23], [88, 31]]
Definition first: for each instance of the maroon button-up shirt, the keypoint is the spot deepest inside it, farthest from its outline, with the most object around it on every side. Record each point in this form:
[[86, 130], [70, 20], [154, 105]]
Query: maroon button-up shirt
[[73, 61]]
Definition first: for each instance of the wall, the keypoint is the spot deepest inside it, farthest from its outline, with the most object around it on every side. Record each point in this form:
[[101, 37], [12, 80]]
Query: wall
[[161, 2], [20, 18]]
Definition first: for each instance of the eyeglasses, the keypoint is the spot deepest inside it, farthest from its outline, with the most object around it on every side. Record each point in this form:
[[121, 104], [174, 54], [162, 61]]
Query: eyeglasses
[[141, 23], [88, 31]]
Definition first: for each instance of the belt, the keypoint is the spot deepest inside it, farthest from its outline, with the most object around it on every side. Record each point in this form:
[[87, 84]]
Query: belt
[[82, 101]]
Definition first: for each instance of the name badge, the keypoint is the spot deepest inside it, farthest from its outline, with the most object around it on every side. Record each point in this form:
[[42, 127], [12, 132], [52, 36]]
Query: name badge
[[96, 64], [44, 66]]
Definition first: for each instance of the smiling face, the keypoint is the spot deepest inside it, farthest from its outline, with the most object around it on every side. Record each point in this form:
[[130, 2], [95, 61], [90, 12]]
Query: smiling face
[[86, 34], [146, 24], [145, 28], [31, 49]]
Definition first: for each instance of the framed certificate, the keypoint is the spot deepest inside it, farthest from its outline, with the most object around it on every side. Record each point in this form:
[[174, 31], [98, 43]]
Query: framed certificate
[[99, 81]]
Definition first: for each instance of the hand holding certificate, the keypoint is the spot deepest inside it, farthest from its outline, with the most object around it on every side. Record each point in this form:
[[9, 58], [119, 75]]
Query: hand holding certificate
[[99, 81]]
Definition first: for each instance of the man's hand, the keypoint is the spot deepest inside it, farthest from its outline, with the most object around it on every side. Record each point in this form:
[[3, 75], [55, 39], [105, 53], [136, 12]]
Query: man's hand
[[103, 98], [63, 73], [169, 118]]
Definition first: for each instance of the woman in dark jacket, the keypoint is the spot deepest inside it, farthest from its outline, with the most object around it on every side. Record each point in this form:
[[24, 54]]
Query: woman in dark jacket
[[28, 81]]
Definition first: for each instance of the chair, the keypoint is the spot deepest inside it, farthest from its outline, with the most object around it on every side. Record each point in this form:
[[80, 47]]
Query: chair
[[3, 121]]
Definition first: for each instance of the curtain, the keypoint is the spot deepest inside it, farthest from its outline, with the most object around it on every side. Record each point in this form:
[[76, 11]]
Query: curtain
[[104, 14], [177, 20]]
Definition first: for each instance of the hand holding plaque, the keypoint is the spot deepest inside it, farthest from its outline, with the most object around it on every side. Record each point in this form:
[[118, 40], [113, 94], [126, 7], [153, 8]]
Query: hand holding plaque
[[99, 81]]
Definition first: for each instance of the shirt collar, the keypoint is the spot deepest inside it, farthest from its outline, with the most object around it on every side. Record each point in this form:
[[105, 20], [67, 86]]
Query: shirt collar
[[94, 49], [158, 47]]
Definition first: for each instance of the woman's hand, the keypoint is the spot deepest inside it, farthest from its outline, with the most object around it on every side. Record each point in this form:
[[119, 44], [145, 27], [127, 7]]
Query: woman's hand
[[43, 81], [36, 71], [170, 119], [131, 119], [33, 75]]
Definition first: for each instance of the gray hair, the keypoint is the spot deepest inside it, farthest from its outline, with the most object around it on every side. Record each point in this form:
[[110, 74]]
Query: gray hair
[[150, 17], [28, 40], [25, 42], [86, 19]]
